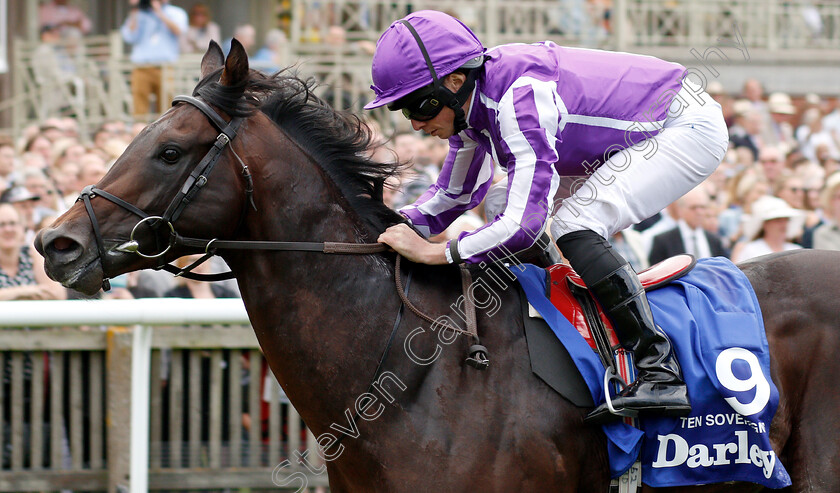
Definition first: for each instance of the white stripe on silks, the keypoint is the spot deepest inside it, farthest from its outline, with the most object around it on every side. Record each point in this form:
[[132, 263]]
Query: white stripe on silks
[[503, 229], [554, 105], [486, 133], [546, 101], [441, 202], [601, 121], [496, 234], [564, 117], [525, 157], [552, 192], [486, 101], [549, 105], [461, 165]]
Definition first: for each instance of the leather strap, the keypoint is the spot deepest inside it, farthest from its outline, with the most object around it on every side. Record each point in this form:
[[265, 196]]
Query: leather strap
[[93, 191], [469, 306], [221, 276], [85, 196], [198, 177], [453, 252], [205, 108], [289, 246]]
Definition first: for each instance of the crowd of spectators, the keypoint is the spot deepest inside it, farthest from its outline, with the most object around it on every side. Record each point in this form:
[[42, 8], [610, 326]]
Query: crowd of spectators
[[157, 33]]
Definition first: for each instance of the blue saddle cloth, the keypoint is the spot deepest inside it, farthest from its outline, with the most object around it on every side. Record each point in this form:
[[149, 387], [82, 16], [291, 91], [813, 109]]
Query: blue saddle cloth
[[714, 321]]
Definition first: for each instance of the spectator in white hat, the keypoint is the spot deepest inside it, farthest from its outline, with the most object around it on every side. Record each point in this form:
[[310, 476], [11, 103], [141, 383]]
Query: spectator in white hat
[[770, 225], [782, 112]]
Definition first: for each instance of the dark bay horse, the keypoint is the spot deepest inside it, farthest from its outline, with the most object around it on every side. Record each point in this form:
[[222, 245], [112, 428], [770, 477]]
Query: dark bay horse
[[323, 321]]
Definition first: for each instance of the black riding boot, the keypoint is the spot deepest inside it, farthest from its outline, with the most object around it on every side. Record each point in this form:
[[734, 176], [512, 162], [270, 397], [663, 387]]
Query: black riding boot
[[659, 387]]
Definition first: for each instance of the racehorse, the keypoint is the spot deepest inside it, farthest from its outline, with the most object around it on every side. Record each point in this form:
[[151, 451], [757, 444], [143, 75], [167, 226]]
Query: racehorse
[[294, 170]]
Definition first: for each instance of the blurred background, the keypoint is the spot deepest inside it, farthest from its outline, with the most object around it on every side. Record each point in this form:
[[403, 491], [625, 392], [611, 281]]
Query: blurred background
[[73, 95]]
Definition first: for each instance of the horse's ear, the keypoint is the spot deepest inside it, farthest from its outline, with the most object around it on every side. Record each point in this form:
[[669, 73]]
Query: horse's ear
[[236, 65], [214, 59]]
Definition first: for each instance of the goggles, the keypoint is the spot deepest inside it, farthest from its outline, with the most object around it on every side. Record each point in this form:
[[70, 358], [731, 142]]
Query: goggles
[[421, 107]]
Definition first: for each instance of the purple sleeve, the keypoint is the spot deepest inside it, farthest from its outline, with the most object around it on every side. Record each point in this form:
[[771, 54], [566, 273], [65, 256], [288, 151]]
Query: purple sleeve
[[463, 181], [528, 120]]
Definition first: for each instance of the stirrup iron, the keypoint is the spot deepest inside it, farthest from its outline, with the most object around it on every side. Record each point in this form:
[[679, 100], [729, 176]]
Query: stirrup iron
[[611, 376]]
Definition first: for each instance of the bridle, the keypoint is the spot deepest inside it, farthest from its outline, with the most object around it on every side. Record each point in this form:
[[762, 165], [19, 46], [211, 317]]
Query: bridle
[[197, 179]]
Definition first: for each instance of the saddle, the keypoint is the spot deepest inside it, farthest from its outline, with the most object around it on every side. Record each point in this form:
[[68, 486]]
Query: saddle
[[550, 361]]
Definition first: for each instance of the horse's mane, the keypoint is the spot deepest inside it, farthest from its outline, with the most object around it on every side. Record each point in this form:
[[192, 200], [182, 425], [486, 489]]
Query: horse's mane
[[338, 141]]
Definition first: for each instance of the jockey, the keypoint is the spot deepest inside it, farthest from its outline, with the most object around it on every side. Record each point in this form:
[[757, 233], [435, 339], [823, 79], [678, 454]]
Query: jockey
[[632, 133]]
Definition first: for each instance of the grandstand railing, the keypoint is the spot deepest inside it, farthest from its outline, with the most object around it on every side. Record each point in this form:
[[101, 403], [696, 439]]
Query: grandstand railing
[[142, 394], [87, 80], [632, 24], [96, 88]]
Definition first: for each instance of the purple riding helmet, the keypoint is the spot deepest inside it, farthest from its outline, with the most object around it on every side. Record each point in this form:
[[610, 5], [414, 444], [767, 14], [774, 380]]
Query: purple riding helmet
[[414, 55]]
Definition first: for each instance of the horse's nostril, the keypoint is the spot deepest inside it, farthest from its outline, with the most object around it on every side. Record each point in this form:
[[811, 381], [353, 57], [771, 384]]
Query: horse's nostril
[[64, 249], [63, 243]]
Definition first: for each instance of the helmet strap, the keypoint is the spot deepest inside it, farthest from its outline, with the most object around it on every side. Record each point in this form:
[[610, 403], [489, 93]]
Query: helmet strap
[[435, 80], [456, 100]]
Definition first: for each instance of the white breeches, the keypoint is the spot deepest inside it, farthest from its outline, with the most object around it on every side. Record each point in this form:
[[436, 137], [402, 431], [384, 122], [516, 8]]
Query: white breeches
[[640, 181]]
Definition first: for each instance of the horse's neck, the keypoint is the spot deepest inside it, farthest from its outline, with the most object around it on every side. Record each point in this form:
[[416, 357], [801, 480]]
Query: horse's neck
[[320, 318]]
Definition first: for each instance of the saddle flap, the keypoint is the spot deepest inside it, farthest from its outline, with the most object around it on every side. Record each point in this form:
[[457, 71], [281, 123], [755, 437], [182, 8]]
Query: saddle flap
[[655, 276], [551, 361]]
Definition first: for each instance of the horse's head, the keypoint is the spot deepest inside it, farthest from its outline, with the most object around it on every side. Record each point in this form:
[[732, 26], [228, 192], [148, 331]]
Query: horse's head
[[165, 173]]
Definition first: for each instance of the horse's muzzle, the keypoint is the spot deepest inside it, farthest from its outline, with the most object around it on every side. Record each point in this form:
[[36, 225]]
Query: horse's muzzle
[[67, 260]]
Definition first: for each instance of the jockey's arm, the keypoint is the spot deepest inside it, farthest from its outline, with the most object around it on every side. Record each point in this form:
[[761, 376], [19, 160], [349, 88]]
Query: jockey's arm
[[463, 182], [529, 152]]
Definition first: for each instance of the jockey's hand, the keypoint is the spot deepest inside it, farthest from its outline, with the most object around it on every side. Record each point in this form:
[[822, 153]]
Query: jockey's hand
[[412, 246]]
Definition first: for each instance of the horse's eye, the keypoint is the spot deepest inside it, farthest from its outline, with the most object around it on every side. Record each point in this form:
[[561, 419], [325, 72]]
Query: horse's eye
[[170, 155]]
